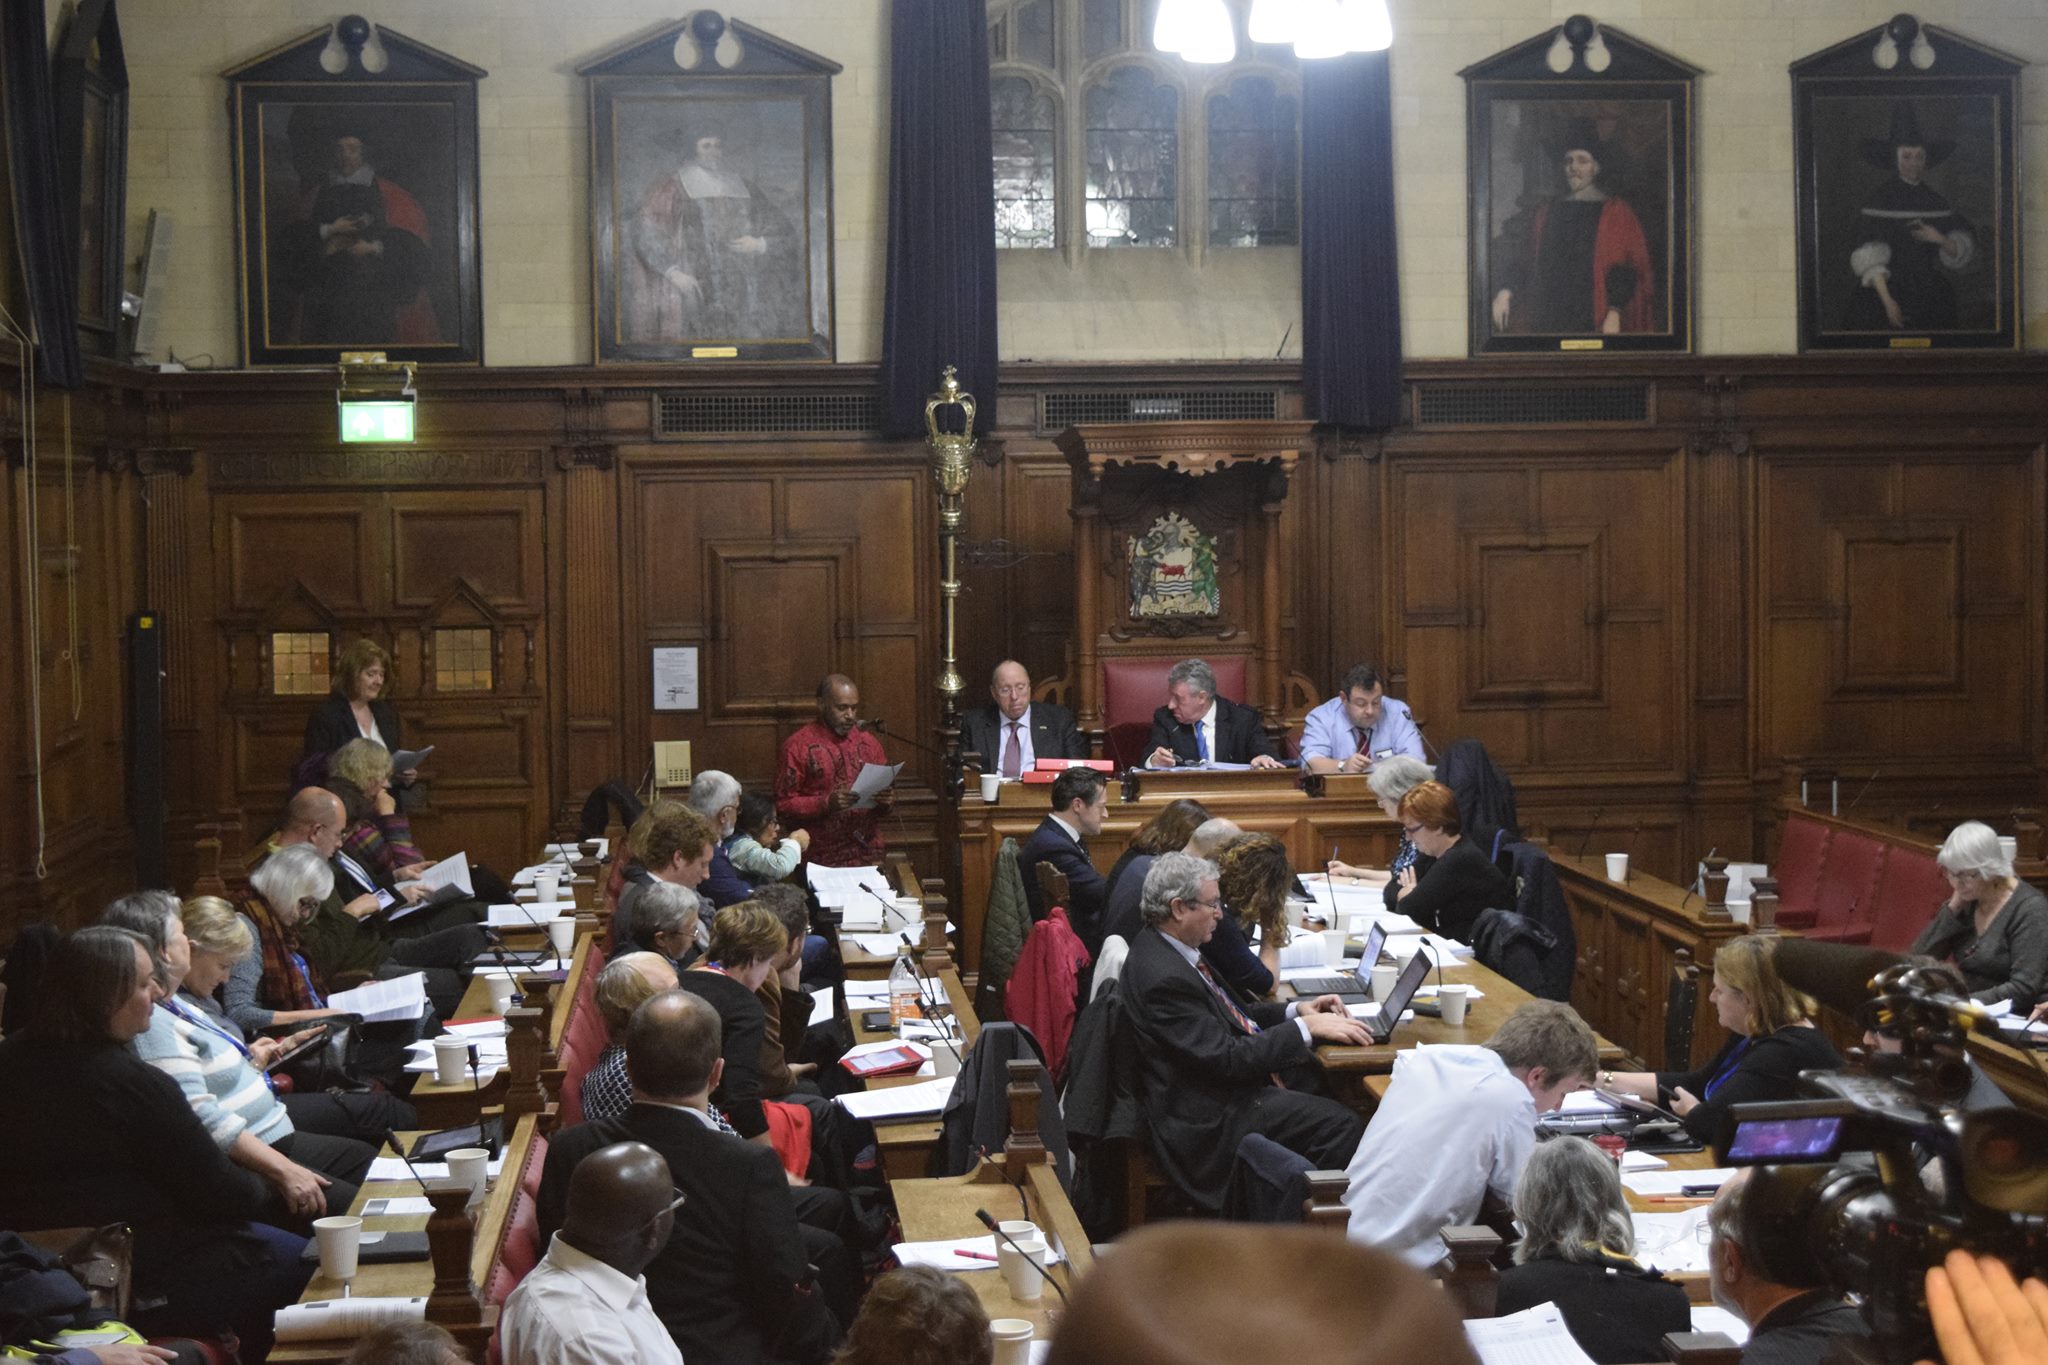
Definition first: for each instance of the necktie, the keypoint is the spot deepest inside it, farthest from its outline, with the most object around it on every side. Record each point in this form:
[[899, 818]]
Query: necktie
[[1364, 741], [1013, 753], [1201, 743], [1243, 1021]]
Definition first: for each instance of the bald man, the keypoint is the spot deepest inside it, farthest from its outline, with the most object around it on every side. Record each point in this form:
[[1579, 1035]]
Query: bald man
[[586, 1303], [1011, 731], [814, 785]]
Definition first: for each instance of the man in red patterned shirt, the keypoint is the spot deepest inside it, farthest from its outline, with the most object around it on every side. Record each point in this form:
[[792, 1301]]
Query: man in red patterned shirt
[[814, 786]]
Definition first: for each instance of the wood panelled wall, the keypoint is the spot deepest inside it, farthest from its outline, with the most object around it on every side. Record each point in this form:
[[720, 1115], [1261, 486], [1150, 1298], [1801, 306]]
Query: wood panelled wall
[[1654, 620]]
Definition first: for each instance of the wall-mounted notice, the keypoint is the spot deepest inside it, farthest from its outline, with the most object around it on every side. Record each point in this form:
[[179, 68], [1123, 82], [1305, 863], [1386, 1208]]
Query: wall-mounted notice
[[675, 678]]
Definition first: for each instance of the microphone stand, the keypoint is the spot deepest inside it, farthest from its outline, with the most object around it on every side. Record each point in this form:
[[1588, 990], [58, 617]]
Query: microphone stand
[[1587, 837], [931, 1005], [496, 944], [1043, 1273]]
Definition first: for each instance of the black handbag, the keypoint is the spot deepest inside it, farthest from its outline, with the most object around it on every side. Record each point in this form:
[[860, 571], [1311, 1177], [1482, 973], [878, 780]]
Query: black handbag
[[332, 1062]]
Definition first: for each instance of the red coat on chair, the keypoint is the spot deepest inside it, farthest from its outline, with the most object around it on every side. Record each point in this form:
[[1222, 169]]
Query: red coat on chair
[[1040, 995]]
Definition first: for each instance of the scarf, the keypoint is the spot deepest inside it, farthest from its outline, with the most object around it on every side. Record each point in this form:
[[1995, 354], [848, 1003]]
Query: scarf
[[285, 984]]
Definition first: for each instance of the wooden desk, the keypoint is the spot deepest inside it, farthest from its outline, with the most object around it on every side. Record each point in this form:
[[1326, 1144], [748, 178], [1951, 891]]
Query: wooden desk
[[415, 1279], [449, 1106], [2010, 1067], [933, 1210], [906, 1145], [1629, 935], [1268, 802]]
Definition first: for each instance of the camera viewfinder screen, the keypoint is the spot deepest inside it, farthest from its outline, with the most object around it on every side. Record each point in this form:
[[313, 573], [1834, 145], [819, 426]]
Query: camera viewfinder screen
[[1813, 1139]]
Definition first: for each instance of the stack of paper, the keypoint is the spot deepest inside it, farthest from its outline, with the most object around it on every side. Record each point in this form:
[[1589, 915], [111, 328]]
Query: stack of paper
[[1534, 1336], [900, 1101], [545, 968], [1670, 1241], [858, 893], [533, 915], [343, 1319], [381, 1002], [953, 1253], [394, 1168]]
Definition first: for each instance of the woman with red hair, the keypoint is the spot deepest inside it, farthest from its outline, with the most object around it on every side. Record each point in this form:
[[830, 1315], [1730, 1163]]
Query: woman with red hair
[[1461, 881]]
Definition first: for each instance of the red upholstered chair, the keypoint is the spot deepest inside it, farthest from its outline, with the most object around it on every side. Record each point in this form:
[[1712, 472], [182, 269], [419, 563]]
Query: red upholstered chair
[[1802, 848], [1909, 892], [536, 1158], [583, 1042], [1132, 689], [1846, 901]]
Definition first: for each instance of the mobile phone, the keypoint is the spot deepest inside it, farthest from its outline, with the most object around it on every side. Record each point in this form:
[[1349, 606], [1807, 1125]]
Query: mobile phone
[[319, 1037]]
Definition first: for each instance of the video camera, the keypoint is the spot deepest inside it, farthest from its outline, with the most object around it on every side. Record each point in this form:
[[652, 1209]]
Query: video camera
[[1902, 1173]]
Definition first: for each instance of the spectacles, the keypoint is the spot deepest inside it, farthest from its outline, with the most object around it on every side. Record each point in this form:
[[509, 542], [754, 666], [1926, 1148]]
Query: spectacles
[[1411, 830], [1205, 905], [665, 1210]]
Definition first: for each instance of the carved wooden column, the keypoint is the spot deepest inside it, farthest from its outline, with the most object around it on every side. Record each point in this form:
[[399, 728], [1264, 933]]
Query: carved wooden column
[[590, 615], [1274, 495], [1087, 515]]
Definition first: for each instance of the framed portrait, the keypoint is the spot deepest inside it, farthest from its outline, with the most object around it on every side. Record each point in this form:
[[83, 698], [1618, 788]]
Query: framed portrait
[[1580, 194], [89, 80], [711, 197], [1905, 139], [356, 200]]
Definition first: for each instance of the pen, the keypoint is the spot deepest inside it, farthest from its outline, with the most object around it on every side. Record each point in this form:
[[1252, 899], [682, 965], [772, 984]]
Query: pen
[[965, 1254], [1675, 1198]]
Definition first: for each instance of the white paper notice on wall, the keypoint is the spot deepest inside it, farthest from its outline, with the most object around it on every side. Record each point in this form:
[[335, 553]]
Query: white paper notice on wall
[[675, 678]]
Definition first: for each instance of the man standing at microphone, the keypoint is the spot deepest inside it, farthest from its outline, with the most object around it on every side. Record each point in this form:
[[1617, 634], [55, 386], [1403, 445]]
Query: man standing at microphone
[[814, 785]]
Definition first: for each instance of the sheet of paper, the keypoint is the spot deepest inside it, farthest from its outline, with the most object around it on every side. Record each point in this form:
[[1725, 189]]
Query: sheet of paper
[[410, 758], [843, 888], [675, 678], [1707, 1317], [1670, 1241], [1428, 992], [382, 1002], [1673, 1182], [821, 1008], [1587, 1102], [873, 988], [925, 1069], [544, 968], [1642, 1161], [880, 945], [340, 1319], [1306, 973], [532, 915], [487, 1049], [872, 778], [393, 1168], [486, 1072], [1304, 950], [450, 871], [398, 1207], [930, 1028], [900, 1101], [944, 1254], [1370, 1008], [1401, 947], [1534, 1336]]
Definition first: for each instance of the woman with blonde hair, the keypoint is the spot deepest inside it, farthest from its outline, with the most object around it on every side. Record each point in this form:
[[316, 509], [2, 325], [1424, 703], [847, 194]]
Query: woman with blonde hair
[[1772, 1039], [355, 709]]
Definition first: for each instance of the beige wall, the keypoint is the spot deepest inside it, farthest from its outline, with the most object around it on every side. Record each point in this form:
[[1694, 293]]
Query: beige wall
[[1138, 305]]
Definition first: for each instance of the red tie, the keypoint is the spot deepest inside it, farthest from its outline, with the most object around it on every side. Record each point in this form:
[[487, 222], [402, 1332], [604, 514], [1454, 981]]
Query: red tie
[[1243, 1020], [1013, 753]]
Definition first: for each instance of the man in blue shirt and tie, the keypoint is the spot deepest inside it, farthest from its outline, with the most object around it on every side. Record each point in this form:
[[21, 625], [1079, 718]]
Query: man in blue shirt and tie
[[1360, 725]]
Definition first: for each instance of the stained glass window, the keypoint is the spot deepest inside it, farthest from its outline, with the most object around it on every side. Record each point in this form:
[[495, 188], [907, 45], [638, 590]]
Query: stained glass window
[[1102, 28], [1254, 181], [1133, 146], [1026, 162], [298, 663], [462, 660], [1034, 34]]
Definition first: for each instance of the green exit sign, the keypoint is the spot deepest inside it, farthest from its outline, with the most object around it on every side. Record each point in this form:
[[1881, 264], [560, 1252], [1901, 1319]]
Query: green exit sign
[[385, 422]]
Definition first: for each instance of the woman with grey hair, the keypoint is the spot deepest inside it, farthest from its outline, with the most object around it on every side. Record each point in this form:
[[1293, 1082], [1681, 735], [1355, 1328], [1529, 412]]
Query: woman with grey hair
[[274, 985], [1994, 927], [1576, 1251]]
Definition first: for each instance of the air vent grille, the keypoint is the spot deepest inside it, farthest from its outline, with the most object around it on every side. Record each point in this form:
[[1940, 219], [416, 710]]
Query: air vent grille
[[682, 413], [1062, 409], [1487, 405]]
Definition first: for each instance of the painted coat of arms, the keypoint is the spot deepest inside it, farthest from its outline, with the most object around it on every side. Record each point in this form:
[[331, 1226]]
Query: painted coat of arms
[[1173, 571]]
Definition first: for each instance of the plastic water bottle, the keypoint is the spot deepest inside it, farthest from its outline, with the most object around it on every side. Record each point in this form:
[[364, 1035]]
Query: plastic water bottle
[[903, 992]]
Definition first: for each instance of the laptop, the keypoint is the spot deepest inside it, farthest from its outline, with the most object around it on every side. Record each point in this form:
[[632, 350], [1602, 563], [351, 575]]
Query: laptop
[[1381, 1018], [1357, 986]]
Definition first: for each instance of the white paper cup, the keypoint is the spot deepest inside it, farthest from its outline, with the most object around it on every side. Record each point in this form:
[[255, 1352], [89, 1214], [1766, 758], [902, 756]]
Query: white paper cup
[[500, 988], [1018, 1263], [451, 1059], [1333, 946], [1023, 1229], [546, 883], [1383, 979], [991, 787], [945, 1061], [1617, 867], [339, 1239], [2009, 846], [1452, 1001], [908, 909], [1739, 911], [1012, 1337], [469, 1166], [562, 933]]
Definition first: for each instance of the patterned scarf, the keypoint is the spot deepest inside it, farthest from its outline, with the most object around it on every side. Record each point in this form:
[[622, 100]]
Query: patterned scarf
[[285, 986]]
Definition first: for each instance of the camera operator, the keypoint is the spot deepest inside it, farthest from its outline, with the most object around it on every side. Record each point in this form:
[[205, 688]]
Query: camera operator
[[1982, 1316], [1761, 1270]]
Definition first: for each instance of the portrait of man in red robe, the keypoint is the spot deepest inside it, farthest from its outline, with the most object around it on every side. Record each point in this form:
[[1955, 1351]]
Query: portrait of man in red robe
[[1578, 263]]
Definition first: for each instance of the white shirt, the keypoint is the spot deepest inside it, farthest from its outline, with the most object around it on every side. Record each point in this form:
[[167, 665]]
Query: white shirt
[[1028, 755], [573, 1309], [1193, 956], [1067, 825], [1455, 1124]]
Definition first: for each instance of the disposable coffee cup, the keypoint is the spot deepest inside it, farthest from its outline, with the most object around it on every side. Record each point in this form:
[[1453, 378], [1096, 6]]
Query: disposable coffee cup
[[1617, 867], [2009, 846], [500, 988], [562, 933], [908, 909], [451, 1059], [547, 883], [1023, 1229], [469, 1166], [1452, 1001], [1333, 946], [1383, 979], [945, 1061], [1738, 911], [991, 787], [1020, 1265], [1012, 1338], [339, 1239]]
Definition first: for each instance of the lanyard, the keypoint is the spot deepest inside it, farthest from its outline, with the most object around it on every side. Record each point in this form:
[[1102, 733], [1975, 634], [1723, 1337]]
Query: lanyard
[[1734, 1060], [299, 962], [202, 1020]]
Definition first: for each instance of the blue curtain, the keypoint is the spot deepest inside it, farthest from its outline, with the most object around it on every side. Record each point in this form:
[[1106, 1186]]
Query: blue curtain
[[1350, 281], [940, 306], [49, 263]]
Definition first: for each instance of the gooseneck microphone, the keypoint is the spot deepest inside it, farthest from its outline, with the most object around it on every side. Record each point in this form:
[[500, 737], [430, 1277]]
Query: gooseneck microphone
[[391, 1138], [1864, 788], [1587, 837], [929, 999], [1043, 1273], [877, 727]]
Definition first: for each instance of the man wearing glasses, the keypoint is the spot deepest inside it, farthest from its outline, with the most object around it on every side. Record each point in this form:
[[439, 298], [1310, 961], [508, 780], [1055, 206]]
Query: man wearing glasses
[[586, 1303], [1209, 1069]]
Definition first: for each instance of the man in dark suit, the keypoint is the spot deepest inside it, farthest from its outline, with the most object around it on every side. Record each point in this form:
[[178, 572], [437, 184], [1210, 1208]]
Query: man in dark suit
[[732, 1286], [1197, 726], [1012, 731], [1080, 803], [1207, 1068]]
